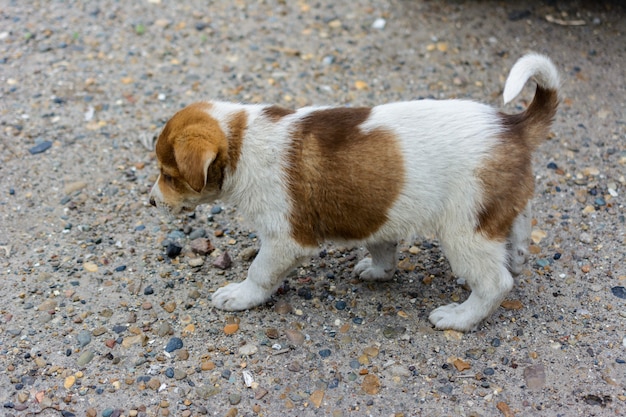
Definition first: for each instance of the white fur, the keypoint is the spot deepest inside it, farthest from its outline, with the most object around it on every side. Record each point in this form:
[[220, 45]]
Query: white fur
[[439, 196], [537, 66]]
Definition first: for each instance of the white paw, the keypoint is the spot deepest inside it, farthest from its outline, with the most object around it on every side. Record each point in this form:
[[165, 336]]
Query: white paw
[[453, 317], [368, 272], [239, 296]]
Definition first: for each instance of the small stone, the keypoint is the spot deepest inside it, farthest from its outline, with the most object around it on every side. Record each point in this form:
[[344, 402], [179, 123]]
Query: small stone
[[294, 366], [535, 376], [231, 328], [317, 397], [619, 292], [234, 399], [84, 338], [512, 305], [201, 246], [585, 238], [324, 353], [295, 337], [379, 23], [393, 332], [248, 254], [148, 290], [85, 358], [40, 147], [282, 307], [164, 329], [90, 267], [195, 262], [138, 339], [231, 413], [223, 261], [69, 382], [371, 384], [461, 365], [271, 333], [216, 210], [174, 343], [173, 250], [505, 409], [341, 305], [197, 233], [23, 396], [248, 349], [170, 306]]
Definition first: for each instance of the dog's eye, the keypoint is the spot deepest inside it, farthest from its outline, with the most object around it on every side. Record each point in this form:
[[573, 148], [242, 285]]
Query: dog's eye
[[166, 178]]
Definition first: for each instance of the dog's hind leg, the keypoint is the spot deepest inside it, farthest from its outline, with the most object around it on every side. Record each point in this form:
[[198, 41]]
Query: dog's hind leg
[[482, 262], [382, 264], [519, 241]]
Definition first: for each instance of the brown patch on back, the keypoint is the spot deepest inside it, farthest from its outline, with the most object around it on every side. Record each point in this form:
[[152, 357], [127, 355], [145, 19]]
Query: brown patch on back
[[507, 175], [342, 182], [275, 113], [237, 125], [508, 184]]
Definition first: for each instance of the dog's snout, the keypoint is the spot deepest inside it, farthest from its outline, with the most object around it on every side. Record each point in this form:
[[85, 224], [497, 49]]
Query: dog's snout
[[152, 202]]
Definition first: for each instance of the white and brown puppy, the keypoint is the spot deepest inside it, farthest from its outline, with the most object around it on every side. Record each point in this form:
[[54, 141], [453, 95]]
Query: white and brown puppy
[[457, 169]]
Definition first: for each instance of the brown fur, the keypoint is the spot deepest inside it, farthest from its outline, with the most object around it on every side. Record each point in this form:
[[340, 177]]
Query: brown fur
[[236, 128], [188, 139], [342, 181], [275, 113], [507, 175]]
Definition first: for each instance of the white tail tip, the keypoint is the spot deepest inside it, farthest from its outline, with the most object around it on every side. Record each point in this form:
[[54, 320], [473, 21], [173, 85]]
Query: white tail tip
[[532, 65]]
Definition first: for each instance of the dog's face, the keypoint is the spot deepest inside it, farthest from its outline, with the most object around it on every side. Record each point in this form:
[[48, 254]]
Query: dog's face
[[191, 153]]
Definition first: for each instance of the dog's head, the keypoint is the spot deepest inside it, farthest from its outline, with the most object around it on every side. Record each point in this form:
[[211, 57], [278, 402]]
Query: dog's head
[[192, 153]]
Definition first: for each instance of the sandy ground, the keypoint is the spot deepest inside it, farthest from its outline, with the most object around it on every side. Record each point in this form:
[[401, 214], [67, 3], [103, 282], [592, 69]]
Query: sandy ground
[[98, 320]]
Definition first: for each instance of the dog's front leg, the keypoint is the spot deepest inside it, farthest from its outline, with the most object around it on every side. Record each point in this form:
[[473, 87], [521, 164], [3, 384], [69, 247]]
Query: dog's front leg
[[273, 262]]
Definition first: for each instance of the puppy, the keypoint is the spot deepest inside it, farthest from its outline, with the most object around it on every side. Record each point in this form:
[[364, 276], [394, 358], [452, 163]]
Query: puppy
[[457, 169]]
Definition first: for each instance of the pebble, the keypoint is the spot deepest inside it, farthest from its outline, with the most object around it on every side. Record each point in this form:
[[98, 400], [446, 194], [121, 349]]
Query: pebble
[[197, 233], [234, 399], [174, 343], [223, 261], [282, 307], [585, 238], [195, 262], [371, 384], [324, 353], [231, 328], [295, 337], [248, 349], [148, 290], [216, 210], [40, 147], [85, 358], [201, 246], [173, 250], [248, 254], [619, 292], [393, 332], [535, 376], [341, 305], [84, 338]]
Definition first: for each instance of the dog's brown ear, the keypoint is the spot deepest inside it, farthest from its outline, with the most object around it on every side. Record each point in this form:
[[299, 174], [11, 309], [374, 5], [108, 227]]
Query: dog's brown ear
[[193, 158]]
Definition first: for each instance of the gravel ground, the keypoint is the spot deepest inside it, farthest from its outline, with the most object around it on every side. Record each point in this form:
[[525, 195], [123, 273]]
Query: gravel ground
[[102, 316]]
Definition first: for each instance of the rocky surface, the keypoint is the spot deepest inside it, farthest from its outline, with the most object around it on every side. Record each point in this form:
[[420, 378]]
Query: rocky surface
[[105, 302]]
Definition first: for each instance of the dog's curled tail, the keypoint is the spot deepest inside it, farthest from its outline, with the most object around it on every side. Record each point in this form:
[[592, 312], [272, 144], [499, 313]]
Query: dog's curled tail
[[536, 120]]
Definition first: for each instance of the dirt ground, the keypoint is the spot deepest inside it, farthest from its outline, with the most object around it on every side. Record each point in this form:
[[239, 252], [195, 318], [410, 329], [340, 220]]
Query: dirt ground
[[97, 318]]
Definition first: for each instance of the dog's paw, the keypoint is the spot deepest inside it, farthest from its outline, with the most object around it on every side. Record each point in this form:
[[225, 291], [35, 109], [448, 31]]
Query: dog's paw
[[453, 317], [369, 272], [239, 296]]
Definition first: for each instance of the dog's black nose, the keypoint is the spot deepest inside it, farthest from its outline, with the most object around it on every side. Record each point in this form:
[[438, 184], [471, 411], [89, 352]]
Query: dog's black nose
[[152, 202]]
